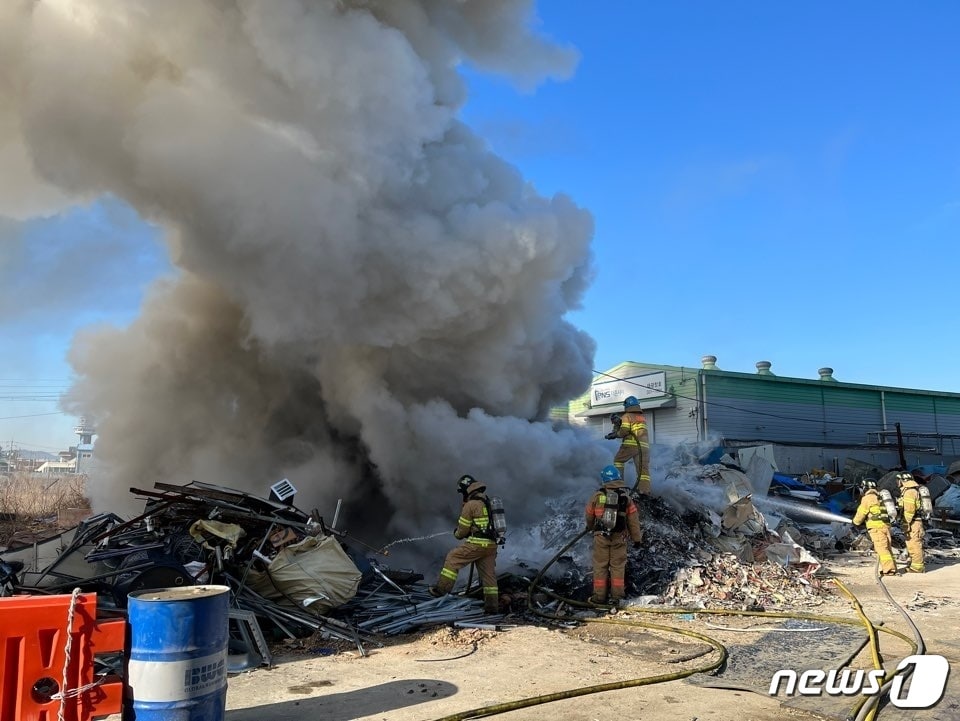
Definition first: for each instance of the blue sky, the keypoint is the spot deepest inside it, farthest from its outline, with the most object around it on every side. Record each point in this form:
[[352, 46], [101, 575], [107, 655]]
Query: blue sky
[[768, 181]]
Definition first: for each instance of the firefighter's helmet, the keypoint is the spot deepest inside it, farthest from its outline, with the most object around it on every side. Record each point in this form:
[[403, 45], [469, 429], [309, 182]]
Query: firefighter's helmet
[[904, 477], [468, 484], [610, 473], [630, 402], [867, 484]]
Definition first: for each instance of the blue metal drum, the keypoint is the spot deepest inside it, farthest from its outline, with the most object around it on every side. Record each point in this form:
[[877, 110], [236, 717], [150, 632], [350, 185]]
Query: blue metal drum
[[177, 664]]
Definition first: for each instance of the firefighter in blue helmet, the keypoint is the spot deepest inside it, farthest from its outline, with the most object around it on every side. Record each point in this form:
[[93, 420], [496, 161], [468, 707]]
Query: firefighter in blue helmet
[[612, 517], [635, 445]]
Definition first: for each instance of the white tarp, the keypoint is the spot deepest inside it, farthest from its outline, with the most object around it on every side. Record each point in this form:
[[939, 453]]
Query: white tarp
[[789, 553], [316, 571]]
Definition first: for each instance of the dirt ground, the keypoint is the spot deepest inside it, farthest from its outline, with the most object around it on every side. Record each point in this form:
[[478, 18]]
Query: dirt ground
[[444, 671]]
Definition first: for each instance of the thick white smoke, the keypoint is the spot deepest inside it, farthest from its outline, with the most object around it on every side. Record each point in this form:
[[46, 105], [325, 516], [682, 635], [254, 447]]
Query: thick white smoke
[[369, 302]]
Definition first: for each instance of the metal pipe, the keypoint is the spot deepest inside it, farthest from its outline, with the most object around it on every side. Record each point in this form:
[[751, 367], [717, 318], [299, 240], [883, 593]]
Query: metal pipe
[[336, 514], [703, 404]]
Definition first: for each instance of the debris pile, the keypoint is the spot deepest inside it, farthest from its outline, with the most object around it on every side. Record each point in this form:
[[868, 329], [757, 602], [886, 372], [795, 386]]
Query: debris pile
[[290, 575], [725, 581], [699, 557], [708, 541], [389, 609]]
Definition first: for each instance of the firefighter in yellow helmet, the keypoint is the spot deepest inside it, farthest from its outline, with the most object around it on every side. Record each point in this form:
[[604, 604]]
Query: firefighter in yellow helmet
[[912, 522], [878, 516], [612, 516], [475, 528], [636, 443]]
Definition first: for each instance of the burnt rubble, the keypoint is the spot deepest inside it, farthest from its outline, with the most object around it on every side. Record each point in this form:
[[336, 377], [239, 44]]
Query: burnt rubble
[[293, 576], [691, 559], [290, 575]]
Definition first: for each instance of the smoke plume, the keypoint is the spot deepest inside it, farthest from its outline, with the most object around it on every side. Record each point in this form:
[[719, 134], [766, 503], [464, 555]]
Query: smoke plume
[[368, 301]]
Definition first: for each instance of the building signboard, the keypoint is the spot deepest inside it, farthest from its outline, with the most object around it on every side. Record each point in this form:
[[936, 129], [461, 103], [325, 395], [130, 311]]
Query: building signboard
[[644, 387]]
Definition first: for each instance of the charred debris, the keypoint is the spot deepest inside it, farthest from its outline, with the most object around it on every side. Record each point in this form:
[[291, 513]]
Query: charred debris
[[293, 576]]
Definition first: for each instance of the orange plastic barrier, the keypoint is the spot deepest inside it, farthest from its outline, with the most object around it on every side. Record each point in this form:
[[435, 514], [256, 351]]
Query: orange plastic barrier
[[33, 640]]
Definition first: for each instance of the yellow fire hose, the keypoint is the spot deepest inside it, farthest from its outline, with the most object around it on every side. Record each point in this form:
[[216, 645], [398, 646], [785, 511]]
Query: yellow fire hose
[[505, 707]]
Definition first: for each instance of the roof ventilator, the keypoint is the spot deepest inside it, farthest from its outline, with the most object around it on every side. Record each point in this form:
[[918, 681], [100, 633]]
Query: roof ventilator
[[763, 368]]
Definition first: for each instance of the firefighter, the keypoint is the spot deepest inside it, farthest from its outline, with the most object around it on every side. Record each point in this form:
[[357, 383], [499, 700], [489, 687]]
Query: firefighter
[[635, 445], [878, 517], [612, 520], [912, 521], [479, 545]]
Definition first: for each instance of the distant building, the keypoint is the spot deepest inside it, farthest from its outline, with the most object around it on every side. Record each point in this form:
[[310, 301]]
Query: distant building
[[810, 423], [78, 458], [64, 464], [17, 461], [84, 449]]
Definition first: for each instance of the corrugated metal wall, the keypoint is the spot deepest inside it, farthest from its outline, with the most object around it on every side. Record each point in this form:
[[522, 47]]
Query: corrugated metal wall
[[786, 410], [793, 410]]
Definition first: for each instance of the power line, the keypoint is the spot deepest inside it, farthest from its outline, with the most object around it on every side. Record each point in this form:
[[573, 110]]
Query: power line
[[35, 380], [36, 415], [31, 399], [33, 446]]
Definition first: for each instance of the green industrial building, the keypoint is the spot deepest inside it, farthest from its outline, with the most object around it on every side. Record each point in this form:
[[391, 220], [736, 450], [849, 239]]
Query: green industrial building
[[810, 423]]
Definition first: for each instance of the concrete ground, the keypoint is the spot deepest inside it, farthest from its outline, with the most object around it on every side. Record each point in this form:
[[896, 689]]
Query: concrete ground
[[441, 673]]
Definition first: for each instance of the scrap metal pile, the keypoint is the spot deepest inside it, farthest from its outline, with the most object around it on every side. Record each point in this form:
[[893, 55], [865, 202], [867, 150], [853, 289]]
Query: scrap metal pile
[[290, 574]]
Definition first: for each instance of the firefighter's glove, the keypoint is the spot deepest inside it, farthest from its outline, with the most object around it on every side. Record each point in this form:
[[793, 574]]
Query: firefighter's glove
[[611, 436]]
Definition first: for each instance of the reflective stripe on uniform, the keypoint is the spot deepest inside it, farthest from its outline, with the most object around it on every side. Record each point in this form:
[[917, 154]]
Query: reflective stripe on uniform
[[635, 428], [599, 504], [447, 573], [481, 541], [481, 523]]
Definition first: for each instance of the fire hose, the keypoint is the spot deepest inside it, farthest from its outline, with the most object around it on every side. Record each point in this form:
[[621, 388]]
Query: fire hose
[[863, 710], [866, 709]]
